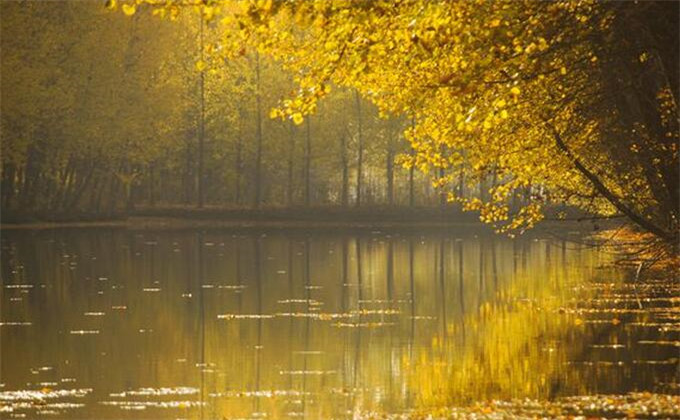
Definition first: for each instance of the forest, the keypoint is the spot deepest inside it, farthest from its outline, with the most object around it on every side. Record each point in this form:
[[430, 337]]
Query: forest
[[135, 117], [504, 109]]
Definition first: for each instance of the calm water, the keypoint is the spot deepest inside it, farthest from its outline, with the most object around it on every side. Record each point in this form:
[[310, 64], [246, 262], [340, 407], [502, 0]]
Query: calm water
[[218, 324]]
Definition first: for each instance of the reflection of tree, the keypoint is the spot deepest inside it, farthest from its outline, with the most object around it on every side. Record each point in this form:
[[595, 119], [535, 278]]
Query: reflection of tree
[[258, 347], [357, 348], [201, 307], [461, 289], [442, 286], [509, 345]]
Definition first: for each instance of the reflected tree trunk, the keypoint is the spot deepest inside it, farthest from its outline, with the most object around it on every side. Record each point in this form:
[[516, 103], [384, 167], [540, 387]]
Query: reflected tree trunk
[[345, 274], [461, 285], [390, 272], [412, 282], [258, 347], [442, 284]]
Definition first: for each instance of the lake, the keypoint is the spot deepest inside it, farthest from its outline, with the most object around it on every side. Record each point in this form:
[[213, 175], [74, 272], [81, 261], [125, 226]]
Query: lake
[[116, 323]]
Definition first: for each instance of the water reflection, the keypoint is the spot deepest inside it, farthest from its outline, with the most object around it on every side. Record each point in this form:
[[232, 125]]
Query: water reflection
[[216, 324]]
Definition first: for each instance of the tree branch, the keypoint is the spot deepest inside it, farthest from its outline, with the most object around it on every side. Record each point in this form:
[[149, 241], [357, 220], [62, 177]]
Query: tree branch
[[608, 194]]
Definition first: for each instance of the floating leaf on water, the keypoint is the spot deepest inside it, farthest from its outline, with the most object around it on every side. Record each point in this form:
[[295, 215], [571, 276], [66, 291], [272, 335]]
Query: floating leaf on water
[[660, 343], [260, 394], [307, 372], [244, 316], [607, 346], [157, 392], [33, 395]]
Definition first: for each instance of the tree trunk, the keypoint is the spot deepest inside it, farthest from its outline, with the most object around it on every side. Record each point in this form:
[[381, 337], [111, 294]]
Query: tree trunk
[[238, 165], [152, 197], [345, 171], [8, 177], [308, 163], [291, 162], [258, 134], [360, 157], [610, 196], [188, 174], [201, 130], [411, 190], [390, 175]]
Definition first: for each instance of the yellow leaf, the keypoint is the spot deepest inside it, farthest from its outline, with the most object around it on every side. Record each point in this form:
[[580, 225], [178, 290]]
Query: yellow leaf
[[515, 90], [504, 114], [200, 65], [129, 9], [563, 71], [298, 118], [616, 321], [208, 13], [111, 4], [578, 321], [274, 113]]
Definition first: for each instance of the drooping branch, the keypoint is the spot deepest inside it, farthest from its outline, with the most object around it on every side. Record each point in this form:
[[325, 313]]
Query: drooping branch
[[607, 193]]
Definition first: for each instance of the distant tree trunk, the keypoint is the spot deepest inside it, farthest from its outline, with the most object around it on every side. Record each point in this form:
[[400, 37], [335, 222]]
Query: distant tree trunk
[[113, 191], [390, 174], [31, 174], [360, 157], [8, 176], [152, 198], [188, 173], [201, 131], [345, 171], [61, 202], [411, 190], [94, 192], [258, 134], [442, 192], [100, 192], [308, 163], [411, 173], [239, 162], [291, 162], [461, 183], [86, 179]]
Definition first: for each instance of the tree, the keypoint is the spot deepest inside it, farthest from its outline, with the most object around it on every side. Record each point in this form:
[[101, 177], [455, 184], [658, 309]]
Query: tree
[[526, 93]]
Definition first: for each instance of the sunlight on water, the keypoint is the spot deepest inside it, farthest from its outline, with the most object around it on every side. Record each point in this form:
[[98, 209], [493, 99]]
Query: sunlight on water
[[209, 324]]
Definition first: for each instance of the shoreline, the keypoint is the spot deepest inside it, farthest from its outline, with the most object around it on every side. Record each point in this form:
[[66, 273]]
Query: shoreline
[[333, 218]]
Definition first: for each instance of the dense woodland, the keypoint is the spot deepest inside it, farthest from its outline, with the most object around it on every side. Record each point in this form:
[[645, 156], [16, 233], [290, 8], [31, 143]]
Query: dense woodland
[[504, 108], [102, 113]]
